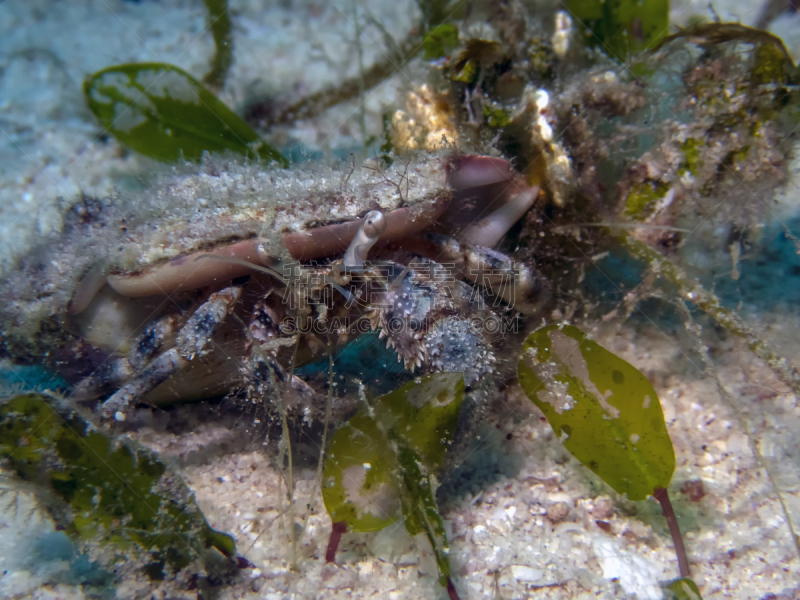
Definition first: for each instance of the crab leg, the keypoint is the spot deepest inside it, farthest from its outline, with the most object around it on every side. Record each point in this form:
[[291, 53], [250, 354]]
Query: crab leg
[[193, 341], [517, 284], [111, 375]]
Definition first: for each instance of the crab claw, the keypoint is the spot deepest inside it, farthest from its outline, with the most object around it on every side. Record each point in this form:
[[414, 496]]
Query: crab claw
[[490, 195], [187, 273], [330, 240]]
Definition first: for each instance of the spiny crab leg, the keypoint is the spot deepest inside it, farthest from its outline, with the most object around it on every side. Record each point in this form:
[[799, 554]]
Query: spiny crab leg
[[194, 341]]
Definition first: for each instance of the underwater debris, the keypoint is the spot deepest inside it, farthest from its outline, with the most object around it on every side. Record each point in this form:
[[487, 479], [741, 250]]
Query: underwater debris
[[721, 141], [435, 34], [691, 291], [719, 33], [424, 123]]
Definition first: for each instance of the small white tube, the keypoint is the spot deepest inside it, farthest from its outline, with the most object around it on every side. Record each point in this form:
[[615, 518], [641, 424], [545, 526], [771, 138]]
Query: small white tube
[[372, 227]]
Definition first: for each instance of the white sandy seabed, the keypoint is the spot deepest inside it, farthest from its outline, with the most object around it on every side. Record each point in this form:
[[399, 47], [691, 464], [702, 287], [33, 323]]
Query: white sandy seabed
[[537, 524]]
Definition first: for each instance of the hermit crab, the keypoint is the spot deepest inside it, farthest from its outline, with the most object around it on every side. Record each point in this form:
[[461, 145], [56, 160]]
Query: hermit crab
[[226, 280]]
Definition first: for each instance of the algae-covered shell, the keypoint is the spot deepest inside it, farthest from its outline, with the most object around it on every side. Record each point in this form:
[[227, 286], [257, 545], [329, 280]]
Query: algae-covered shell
[[190, 209]]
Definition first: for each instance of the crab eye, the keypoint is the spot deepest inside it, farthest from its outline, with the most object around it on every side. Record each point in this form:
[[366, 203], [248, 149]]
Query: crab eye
[[374, 224], [372, 227]]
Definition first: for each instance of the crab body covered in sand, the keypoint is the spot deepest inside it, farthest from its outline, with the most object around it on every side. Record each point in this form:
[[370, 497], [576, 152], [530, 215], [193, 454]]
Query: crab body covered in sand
[[229, 279]]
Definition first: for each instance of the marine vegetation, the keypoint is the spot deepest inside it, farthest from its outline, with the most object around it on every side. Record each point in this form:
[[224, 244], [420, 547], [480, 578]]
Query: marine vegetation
[[544, 176], [107, 492]]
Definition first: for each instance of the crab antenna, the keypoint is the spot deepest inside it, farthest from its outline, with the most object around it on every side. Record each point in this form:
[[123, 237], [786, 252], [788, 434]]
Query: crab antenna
[[372, 227]]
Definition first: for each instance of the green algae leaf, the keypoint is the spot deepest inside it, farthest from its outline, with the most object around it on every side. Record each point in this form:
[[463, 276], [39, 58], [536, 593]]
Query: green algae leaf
[[496, 117], [163, 112], [381, 464], [604, 409], [642, 199], [105, 491], [771, 65], [440, 41], [621, 28], [359, 482], [683, 589]]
